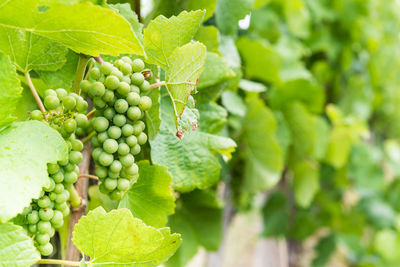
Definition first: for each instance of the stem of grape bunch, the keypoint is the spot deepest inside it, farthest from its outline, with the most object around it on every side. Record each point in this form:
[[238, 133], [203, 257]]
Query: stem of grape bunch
[[58, 262], [34, 93]]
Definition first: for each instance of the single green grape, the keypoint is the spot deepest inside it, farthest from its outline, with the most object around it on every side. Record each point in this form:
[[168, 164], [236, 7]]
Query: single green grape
[[106, 68], [96, 153], [46, 250], [137, 65], [123, 149], [123, 88], [123, 184], [44, 202], [121, 106], [119, 120], [58, 177], [145, 103], [100, 124], [85, 85], [113, 175], [94, 73], [126, 59], [135, 89], [70, 125], [135, 149], [133, 170], [52, 168], [133, 98], [50, 186], [57, 218], [126, 68], [32, 228], [46, 214], [61, 93], [111, 82], [110, 184], [69, 102], [33, 217], [127, 130], [137, 78], [127, 160], [42, 239], [81, 120], [108, 96], [115, 166], [49, 92], [70, 177], [134, 113], [75, 157], [60, 198], [101, 172], [105, 159], [59, 188], [77, 145], [37, 115], [114, 132], [69, 167], [102, 137], [131, 140], [43, 226], [98, 102], [51, 102], [145, 86], [110, 146], [109, 113], [115, 195], [142, 138]]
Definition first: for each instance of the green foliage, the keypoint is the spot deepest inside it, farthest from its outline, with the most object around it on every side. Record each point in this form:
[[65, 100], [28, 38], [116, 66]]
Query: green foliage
[[23, 170]]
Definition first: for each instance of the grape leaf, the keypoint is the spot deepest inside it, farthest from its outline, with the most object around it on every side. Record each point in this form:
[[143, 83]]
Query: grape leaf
[[305, 182], [297, 17], [233, 103], [153, 120], [29, 51], [229, 12], [150, 198], [216, 70], [209, 36], [264, 158], [16, 248], [199, 219], [251, 86], [213, 117], [99, 199], [25, 104], [10, 92], [117, 238], [191, 161], [276, 215], [126, 11], [261, 61], [103, 31], [162, 36], [186, 64], [23, 164]]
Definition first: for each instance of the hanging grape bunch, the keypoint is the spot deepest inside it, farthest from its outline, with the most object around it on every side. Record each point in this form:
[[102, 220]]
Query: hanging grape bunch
[[65, 113], [116, 93]]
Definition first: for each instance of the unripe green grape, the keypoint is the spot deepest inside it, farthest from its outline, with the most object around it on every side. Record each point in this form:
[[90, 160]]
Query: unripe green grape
[[126, 68], [135, 149], [123, 184], [43, 226], [127, 160], [127, 80], [69, 167], [63, 162], [33, 217], [109, 113], [111, 82], [127, 130], [81, 120], [114, 132], [52, 232], [101, 172], [59, 188], [119, 120], [70, 177], [115, 195], [108, 96], [69, 125], [74, 95], [36, 115], [145, 86], [52, 168], [80, 131], [102, 137], [133, 98], [118, 63], [123, 149], [49, 92], [110, 184], [85, 85], [61, 206], [145, 103], [110, 146], [121, 106], [42, 239], [131, 140], [95, 141], [96, 153], [113, 175], [126, 59], [77, 145], [137, 79], [94, 73], [142, 138], [66, 193], [116, 166], [46, 214], [46, 249], [50, 186], [81, 106], [132, 170], [134, 113], [100, 124], [75, 157], [76, 170], [60, 198], [137, 129], [103, 189], [58, 177], [51, 102], [106, 68], [137, 65], [135, 89], [69, 102], [97, 89], [26, 211], [32, 228], [44, 202], [98, 102], [105, 159], [123, 88]]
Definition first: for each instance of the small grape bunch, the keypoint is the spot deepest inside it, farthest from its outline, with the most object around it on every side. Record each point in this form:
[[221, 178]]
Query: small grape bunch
[[116, 90]]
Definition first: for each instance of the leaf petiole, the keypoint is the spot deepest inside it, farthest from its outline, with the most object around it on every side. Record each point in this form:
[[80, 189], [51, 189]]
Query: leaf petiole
[[159, 84], [35, 94], [58, 262]]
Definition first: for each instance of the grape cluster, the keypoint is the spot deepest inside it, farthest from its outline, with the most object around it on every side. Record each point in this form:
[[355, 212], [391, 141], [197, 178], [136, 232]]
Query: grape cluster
[[66, 114], [116, 90]]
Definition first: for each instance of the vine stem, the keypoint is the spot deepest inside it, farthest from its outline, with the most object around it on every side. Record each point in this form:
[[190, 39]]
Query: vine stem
[[34, 93], [84, 175], [58, 262], [90, 114], [87, 138], [159, 84], [80, 72]]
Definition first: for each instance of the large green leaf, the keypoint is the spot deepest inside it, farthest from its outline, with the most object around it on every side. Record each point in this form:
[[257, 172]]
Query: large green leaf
[[25, 150], [10, 92], [199, 220], [302, 90], [229, 12], [216, 70], [305, 182], [186, 64], [126, 11], [151, 198], [117, 238], [29, 51], [209, 36], [83, 27], [192, 160], [264, 158], [153, 120], [261, 61], [16, 248], [162, 36]]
